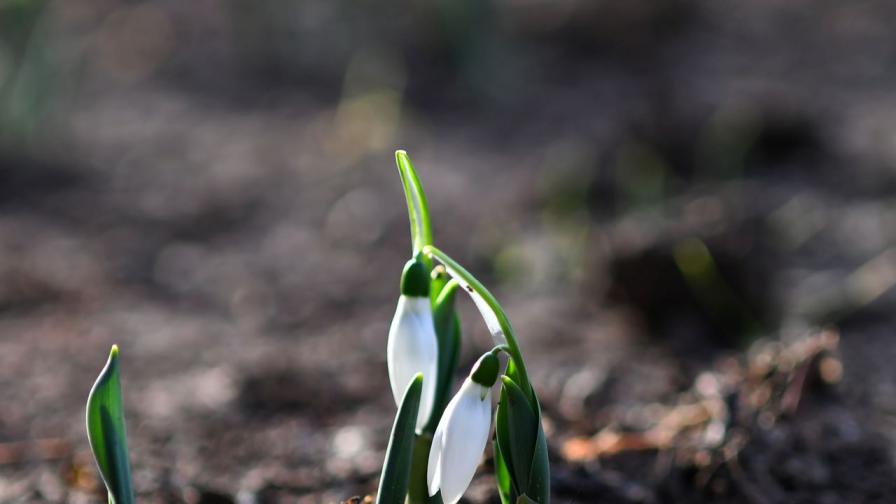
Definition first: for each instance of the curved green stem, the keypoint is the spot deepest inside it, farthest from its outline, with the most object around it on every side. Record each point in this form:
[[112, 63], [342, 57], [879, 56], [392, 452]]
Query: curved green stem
[[500, 348], [471, 285], [418, 210]]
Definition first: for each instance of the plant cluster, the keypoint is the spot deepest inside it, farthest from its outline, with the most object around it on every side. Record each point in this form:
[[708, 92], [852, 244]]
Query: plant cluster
[[437, 439]]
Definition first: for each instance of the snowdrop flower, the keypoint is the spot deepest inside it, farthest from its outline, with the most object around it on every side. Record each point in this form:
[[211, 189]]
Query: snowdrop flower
[[412, 346], [462, 433]]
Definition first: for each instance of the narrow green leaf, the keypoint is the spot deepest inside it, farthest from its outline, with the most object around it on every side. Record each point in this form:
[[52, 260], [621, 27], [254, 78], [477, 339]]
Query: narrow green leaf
[[418, 210], [520, 433], [512, 372], [447, 325], [397, 467], [440, 279], [504, 443], [502, 475], [106, 432], [418, 489], [540, 473]]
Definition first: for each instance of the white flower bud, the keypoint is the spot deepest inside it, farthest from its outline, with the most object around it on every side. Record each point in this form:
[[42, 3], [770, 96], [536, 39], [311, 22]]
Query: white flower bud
[[413, 348], [459, 441]]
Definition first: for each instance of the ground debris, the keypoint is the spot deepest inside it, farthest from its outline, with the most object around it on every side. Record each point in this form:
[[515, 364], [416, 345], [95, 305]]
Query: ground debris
[[739, 431], [367, 499]]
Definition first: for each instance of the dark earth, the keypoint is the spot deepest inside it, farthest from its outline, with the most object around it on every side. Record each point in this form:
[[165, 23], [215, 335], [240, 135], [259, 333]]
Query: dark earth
[[687, 209]]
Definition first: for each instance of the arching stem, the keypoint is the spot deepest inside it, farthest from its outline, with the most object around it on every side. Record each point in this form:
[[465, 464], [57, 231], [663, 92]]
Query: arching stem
[[495, 317]]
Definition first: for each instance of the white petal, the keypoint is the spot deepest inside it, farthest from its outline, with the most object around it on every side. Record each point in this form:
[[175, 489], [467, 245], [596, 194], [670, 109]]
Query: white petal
[[412, 348], [433, 466], [462, 435], [491, 319]]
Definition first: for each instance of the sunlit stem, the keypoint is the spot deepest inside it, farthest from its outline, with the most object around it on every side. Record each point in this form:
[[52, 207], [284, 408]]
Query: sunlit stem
[[418, 210], [512, 347]]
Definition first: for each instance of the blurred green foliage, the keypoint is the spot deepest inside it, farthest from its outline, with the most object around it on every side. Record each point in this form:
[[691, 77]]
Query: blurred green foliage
[[26, 70]]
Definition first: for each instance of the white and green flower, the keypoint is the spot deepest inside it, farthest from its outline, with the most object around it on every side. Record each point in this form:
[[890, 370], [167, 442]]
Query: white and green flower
[[462, 433], [412, 346]]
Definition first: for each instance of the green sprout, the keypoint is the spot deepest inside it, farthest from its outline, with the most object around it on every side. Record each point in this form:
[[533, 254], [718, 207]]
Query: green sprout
[[106, 432], [399, 456], [450, 433]]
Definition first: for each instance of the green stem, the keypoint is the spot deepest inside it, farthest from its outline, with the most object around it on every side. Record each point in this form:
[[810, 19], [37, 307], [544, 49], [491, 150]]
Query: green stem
[[418, 491], [500, 348], [418, 210], [513, 348]]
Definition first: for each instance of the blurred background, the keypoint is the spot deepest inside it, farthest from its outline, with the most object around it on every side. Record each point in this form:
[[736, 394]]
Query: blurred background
[[686, 207]]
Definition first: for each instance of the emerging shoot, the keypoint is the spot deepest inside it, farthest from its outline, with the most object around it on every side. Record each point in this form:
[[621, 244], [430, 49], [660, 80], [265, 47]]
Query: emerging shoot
[[106, 432]]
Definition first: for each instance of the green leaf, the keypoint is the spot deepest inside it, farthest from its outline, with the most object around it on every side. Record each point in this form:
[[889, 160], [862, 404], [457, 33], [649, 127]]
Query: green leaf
[[447, 325], [440, 279], [418, 210], [540, 474], [106, 432], [502, 476], [517, 428], [512, 372], [504, 443], [397, 467], [418, 490]]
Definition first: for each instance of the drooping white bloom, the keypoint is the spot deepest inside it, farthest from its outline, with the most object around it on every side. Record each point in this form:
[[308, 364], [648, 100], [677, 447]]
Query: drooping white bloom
[[488, 314], [461, 436], [412, 348]]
